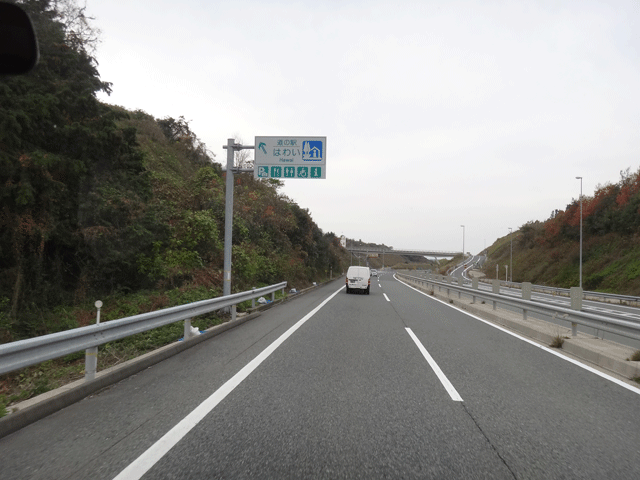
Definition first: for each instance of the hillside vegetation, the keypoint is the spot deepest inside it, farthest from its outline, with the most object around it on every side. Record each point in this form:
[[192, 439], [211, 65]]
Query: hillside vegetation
[[548, 252], [97, 202]]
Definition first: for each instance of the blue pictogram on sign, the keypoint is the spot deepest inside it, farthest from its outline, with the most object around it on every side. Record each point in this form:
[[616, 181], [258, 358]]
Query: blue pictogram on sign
[[312, 151]]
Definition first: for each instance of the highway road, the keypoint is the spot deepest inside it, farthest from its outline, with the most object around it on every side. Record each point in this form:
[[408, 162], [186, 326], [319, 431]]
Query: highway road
[[394, 384]]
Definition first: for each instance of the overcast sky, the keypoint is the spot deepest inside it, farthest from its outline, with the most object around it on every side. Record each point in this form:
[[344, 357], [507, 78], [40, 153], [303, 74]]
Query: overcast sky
[[437, 114]]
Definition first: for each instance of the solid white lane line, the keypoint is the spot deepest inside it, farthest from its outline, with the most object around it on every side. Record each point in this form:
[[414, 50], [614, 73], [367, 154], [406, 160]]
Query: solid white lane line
[[154, 453], [385, 296], [531, 342], [453, 393]]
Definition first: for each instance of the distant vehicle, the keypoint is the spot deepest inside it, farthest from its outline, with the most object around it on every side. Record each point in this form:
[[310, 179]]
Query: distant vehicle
[[374, 272], [358, 279]]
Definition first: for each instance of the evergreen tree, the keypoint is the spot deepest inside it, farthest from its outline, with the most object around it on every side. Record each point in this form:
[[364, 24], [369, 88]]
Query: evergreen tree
[[61, 159]]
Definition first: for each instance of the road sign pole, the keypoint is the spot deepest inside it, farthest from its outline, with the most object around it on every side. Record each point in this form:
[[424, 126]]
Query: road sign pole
[[228, 218], [231, 147]]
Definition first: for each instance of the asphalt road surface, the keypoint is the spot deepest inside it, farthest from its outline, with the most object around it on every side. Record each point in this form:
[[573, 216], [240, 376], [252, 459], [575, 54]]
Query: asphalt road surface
[[394, 384]]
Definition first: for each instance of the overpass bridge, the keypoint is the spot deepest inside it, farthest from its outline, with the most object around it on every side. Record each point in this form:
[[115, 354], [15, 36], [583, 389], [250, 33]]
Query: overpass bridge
[[393, 251]]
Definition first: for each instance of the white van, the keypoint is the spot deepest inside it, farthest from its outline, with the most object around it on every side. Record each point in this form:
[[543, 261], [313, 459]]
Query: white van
[[358, 279]]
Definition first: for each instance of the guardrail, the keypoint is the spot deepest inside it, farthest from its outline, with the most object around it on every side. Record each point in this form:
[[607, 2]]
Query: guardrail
[[613, 298], [574, 315], [24, 353], [587, 295]]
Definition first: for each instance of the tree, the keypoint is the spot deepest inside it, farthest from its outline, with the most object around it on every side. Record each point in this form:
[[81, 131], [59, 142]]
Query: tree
[[178, 131], [242, 158], [69, 176], [81, 35]]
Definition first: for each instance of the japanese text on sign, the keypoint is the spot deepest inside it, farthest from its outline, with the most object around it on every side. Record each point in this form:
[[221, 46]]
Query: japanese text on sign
[[308, 152]]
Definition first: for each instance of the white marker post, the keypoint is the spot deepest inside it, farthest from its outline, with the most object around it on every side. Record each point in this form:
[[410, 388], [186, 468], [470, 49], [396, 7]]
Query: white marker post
[[91, 354]]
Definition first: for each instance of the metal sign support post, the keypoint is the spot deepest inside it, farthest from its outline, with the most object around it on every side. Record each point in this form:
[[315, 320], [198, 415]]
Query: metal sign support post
[[276, 157], [231, 147]]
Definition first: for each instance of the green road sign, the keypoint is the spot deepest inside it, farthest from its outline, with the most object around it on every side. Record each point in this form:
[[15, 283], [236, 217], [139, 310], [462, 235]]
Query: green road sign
[[290, 157]]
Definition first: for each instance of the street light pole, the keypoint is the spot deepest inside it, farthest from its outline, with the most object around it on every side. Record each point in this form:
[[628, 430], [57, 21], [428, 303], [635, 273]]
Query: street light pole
[[511, 255], [580, 274], [462, 242]]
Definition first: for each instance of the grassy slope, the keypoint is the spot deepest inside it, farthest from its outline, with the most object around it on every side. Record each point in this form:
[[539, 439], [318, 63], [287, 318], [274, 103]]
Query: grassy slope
[[611, 263]]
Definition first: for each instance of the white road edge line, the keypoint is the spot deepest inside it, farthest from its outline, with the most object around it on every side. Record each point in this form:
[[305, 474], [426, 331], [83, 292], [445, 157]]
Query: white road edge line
[[155, 452], [453, 393], [385, 296], [531, 342]]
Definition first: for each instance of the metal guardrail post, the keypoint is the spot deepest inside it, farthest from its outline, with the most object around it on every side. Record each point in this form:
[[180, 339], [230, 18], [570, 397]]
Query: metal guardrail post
[[233, 312], [495, 288], [576, 304], [187, 328], [474, 285], [91, 354], [273, 296], [90, 363], [526, 295], [253, 300]]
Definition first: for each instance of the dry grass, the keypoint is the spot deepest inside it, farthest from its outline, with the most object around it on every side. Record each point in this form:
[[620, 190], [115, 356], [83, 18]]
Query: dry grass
[[557, 342]]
